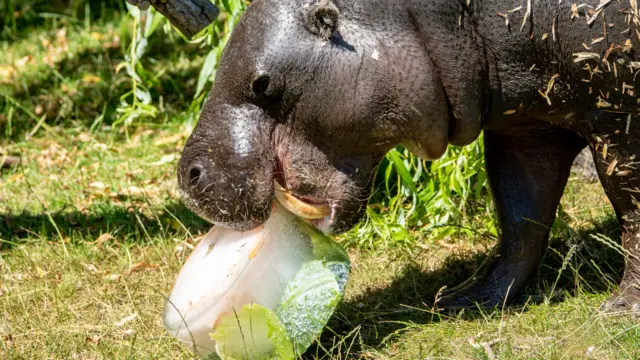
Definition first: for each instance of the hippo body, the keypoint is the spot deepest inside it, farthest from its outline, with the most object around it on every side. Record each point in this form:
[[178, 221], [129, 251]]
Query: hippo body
[[313, 93]]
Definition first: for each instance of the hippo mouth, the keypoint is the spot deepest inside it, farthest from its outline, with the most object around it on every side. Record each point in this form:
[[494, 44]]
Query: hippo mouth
[[317, 211]]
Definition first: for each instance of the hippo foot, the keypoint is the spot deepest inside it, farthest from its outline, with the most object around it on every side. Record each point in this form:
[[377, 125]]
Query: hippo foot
[[489, 287], [625, 301], [475, 294]]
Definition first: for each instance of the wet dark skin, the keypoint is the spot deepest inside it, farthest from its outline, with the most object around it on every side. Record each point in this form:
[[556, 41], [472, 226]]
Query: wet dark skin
[[313, 93]]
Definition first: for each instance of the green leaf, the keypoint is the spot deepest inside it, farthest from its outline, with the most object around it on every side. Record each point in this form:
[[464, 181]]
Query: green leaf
[[254, 332], [310, 299], [227, 6], [133, 10], [324, 248], [206, 71], [399, 233], [480, 183], [158, 19], [387, 177], [407, 179]]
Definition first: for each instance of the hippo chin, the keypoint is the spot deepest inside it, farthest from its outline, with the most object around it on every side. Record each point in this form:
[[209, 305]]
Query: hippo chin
[[312, 93]]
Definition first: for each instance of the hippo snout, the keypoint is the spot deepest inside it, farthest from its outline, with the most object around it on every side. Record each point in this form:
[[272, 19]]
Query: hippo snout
[[225, 173]]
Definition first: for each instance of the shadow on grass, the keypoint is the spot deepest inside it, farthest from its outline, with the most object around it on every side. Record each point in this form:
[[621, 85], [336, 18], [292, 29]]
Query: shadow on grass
[[574, 264], [126, 224], [61, 92], [88, 101], [378, 313]]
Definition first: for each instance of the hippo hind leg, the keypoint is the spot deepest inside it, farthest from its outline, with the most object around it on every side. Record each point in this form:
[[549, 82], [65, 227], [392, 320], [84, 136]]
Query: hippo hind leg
[[615, 142], [528, 168]]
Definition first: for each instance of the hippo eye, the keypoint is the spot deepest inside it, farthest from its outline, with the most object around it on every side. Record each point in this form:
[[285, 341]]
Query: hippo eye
[[261, 84]]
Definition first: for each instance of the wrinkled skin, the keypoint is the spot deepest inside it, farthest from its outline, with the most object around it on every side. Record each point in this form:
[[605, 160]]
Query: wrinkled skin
[[312, 94]]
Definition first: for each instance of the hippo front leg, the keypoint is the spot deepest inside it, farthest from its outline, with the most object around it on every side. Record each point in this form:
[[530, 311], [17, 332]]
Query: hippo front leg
[[528, 168]]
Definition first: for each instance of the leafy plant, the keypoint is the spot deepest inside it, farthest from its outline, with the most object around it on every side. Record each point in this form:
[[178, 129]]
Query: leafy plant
[[136, 103], [413, 198], [216, 36]]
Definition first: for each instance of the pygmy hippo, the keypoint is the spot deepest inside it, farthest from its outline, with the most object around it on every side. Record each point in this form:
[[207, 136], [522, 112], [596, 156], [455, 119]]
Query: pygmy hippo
[[313, 93]]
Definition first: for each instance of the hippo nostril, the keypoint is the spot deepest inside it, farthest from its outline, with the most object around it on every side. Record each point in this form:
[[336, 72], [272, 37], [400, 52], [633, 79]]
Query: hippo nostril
[[195, 174]]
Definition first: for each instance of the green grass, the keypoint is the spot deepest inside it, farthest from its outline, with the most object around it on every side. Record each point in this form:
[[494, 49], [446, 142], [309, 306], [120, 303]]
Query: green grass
[[92, 232], [65, 284]]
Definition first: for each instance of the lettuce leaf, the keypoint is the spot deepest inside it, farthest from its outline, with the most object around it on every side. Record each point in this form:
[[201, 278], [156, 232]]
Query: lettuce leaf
[[310, 299], [324, 248], [254, 332]]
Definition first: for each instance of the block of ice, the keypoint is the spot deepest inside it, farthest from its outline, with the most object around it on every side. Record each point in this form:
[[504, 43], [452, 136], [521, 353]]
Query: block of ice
[[261, 294]]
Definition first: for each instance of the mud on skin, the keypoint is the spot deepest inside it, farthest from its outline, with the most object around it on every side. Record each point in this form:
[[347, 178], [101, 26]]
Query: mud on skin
[[312, 94]]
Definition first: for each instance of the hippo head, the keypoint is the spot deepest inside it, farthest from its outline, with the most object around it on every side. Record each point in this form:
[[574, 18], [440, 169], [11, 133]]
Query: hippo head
[[310, 94]]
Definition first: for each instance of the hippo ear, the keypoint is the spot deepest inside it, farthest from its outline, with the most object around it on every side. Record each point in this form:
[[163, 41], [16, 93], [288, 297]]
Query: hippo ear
[[321, 18]]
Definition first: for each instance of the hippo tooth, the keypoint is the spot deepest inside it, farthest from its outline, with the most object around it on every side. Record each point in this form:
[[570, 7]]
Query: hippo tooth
[[299, 207]]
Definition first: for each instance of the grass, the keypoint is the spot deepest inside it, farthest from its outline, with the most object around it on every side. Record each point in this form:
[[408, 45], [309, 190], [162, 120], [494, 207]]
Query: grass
[[92, 236], [67, 71], [92, 233]]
